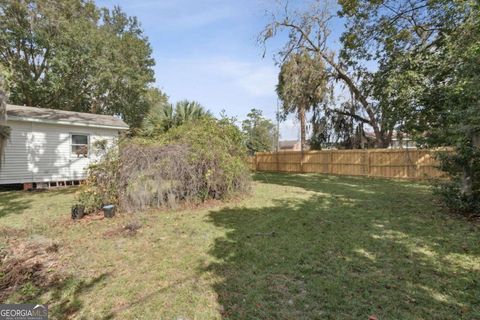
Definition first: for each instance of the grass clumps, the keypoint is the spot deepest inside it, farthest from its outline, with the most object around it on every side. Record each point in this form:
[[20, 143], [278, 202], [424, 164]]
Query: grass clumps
[[192, 163], [28, 265]]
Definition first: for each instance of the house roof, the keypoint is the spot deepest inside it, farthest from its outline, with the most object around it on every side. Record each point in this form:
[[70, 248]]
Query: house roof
[[24, 113], [287, 144]]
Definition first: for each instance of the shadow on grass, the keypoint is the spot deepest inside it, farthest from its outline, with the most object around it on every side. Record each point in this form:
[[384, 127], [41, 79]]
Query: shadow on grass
[[353, 248], [66, 296], [15, 202]]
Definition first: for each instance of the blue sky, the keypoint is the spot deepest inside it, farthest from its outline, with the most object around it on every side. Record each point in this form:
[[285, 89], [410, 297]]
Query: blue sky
[[206, 51]]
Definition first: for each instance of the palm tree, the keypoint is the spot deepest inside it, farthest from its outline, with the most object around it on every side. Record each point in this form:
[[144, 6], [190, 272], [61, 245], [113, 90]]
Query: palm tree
[[163, 116], [160, 118], [301, 85], [186, 111]]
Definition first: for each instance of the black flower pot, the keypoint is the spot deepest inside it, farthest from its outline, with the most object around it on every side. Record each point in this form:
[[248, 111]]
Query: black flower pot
[[78, 211], [109, 211]]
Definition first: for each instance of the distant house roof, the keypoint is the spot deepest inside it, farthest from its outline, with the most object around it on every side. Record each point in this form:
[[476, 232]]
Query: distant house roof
[[395, 135], [23, 113], [369, 134], [287, 144]]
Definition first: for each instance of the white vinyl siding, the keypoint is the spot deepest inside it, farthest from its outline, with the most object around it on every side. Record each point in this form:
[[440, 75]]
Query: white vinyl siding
[[40, 152]]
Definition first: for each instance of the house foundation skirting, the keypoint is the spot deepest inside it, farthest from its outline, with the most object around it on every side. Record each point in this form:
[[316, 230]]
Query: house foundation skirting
[[51, 184]]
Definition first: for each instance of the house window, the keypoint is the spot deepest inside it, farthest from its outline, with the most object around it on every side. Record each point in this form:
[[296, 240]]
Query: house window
[[80, 145]]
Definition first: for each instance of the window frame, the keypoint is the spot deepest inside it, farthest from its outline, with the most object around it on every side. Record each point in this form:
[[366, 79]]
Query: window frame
[[73, 154]]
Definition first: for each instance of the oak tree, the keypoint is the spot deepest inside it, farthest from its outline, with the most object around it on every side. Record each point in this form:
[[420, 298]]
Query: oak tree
[[73, 55]]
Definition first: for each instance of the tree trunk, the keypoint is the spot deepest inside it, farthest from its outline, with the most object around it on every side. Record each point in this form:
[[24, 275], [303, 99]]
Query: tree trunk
[[301, 116], [467, 177], [466, 187], [383, 138]]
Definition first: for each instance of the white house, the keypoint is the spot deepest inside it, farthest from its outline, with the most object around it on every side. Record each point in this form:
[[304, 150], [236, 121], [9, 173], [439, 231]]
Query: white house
[[49, 146]]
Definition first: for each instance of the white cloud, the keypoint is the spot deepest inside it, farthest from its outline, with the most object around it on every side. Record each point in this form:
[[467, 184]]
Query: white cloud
[[178, 14], [225, 83], [197, 18], [254, 79]]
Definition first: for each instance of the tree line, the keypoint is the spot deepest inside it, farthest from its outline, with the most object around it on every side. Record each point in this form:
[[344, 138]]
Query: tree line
[[425, 82], [74, 55], [259, 133]]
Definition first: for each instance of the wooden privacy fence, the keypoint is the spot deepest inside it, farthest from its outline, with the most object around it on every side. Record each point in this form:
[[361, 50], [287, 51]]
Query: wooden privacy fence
[[386, 163]]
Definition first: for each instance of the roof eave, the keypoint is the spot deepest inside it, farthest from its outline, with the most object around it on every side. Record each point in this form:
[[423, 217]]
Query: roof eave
[[63, 122]]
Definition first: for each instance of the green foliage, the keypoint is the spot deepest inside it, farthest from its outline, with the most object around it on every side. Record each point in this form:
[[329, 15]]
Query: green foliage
[[400, 40], [334, 128], [208, 134], [260, 134], [186, 111], [194, 162], [4, 133], [29, 291], [4, 129], [219, 145], [160, 115], [163, 116], [101, 187], [452, 81], [457, 201], [73, 55], [454, 199], [301, 82], [428, 54], [450, 101], [461, 193]]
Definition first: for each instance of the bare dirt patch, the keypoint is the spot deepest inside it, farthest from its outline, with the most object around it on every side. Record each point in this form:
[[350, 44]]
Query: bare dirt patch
[[7, 232], [128, 230], [34, 260]]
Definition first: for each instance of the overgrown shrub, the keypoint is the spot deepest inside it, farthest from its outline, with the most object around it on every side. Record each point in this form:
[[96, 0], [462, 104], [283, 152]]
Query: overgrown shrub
[[191, 163], [100, 188], [461, 193]]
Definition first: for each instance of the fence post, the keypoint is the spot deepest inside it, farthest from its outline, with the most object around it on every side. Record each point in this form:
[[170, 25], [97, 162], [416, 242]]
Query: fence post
[[301, 161], [278, 165], [408, 167], [256, 161], [330, 165], [367, 154]]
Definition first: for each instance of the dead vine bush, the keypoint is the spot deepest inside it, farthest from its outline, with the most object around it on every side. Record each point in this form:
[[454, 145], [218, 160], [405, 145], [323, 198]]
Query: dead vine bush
[[158, 176], [166, 173]]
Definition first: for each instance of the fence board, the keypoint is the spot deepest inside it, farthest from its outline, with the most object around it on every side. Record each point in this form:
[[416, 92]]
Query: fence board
[[386, 163]]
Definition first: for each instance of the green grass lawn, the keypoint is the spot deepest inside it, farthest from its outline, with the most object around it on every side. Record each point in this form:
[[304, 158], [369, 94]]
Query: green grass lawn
[[300, 247]]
